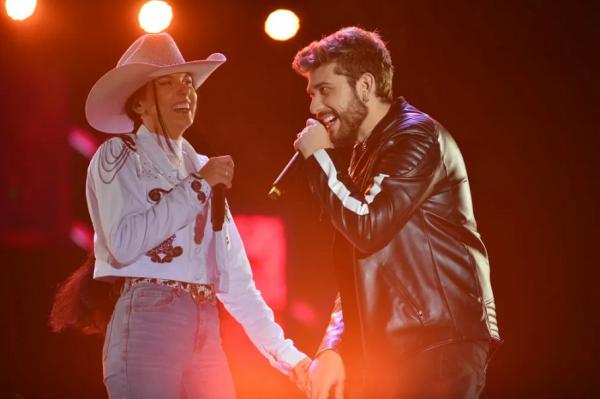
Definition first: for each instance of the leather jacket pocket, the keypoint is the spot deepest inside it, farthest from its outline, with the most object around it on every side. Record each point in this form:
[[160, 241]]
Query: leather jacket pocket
[[402, 293]]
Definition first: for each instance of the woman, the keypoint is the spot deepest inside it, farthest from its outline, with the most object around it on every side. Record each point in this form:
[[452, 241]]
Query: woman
[[148, 194]]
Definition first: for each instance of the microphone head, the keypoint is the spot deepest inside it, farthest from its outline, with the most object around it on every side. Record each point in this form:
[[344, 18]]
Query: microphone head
[[312, 122], [275, 193], [277, 190]]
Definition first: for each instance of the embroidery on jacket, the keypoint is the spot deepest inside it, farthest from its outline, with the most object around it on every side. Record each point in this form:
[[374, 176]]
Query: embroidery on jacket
[[197, 188], [166, 249], [202, 217], [112, 157], [155, 195]]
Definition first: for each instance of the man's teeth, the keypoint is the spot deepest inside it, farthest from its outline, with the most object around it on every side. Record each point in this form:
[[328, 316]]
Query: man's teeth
[[329, 119]]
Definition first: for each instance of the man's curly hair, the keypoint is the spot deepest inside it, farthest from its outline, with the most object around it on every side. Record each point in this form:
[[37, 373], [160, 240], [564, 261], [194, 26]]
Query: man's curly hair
[[355, 51]]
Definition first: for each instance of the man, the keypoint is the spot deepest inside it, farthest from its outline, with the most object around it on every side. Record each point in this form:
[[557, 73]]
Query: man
[[418, 310]]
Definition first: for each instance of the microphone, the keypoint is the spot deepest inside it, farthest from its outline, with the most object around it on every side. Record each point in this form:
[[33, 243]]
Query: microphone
[[217, 207], [277, 190]]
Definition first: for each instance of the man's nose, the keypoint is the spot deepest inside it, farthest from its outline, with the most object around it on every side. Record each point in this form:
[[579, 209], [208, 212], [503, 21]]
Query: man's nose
[[315, 105]]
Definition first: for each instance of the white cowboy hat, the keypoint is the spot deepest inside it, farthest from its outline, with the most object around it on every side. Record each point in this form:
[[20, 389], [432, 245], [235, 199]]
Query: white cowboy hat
[[149, 57]]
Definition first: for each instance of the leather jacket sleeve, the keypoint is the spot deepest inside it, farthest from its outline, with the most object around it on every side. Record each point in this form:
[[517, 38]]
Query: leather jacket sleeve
[[335, 329], [404, 173]]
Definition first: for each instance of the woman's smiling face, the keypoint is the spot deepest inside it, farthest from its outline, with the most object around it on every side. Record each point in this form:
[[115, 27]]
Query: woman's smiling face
[[177, 101]]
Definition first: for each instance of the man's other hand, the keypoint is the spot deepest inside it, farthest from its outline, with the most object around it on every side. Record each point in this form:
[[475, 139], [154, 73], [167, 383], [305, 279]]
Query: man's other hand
[[326, 372]]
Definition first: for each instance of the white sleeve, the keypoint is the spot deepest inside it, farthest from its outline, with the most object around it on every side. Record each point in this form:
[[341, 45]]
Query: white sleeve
[[120, 209], [247, 306]]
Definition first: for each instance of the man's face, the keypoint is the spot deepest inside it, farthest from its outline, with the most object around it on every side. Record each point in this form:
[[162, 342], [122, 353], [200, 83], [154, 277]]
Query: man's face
[[177, 102], [334, 103]]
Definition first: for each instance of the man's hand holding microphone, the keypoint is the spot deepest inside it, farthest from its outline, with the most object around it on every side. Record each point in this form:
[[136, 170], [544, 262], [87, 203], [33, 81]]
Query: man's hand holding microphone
[[312, 138]]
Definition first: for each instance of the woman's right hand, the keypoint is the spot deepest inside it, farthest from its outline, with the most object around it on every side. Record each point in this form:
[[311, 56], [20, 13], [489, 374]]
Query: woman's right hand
[[218, 170]]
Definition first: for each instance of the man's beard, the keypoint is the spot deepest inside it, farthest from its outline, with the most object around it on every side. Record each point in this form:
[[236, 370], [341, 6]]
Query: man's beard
[[350, 121]]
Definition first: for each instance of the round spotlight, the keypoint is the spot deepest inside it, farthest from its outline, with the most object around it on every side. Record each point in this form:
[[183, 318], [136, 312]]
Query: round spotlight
[[155, 16], [20, 9], [282, 24]]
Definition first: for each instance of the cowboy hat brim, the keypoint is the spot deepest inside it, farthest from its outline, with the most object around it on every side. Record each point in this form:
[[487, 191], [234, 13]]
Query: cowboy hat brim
[[105, 104]]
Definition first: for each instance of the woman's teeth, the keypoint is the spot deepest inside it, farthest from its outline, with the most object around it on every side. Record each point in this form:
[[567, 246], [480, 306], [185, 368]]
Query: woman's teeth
[[181, 107]]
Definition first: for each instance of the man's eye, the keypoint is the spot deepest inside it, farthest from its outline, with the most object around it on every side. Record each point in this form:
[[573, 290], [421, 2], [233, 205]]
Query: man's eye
[[324, 90]]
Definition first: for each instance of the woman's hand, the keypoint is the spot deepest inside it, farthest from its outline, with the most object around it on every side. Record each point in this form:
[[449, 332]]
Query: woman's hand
[[218, 170], [299, 374]]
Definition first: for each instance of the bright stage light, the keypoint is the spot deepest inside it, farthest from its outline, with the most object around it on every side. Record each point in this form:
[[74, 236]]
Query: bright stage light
[[20, 9], [282, 24], [155, 16]]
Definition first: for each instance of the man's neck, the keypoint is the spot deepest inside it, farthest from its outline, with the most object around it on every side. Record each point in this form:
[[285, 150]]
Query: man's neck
[[377, 111]]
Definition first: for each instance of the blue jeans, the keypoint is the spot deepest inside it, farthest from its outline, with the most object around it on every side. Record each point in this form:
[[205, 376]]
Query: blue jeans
[[161, 344]]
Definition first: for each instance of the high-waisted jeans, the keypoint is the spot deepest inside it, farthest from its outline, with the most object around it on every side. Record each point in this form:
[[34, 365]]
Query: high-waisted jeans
[[161, 344]]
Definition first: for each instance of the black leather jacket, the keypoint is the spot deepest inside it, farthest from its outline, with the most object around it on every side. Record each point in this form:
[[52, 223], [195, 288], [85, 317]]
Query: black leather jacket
[[413, 271]]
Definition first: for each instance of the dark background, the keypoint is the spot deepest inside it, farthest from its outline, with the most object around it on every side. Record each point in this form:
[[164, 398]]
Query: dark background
[[515, 83]]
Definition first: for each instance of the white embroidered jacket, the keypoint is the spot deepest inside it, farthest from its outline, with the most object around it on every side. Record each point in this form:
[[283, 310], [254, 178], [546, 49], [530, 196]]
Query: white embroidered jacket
[[152, 219]]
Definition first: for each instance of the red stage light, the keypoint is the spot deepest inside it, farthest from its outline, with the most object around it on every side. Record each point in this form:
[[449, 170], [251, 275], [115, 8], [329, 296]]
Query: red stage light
[[83, 141], [82, 236], [265, 243], [304, 313]]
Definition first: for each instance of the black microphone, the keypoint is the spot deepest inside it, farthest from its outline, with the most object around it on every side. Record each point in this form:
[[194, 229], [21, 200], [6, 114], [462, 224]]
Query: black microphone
[[217, 207], [277, 190]]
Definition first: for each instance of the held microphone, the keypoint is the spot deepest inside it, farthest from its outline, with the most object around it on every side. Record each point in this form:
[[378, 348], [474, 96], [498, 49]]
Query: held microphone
[[277, 190], [217, 207]]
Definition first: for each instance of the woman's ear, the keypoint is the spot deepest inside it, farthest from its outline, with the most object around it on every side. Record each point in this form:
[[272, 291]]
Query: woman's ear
[[137, 103], [137, 106]]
